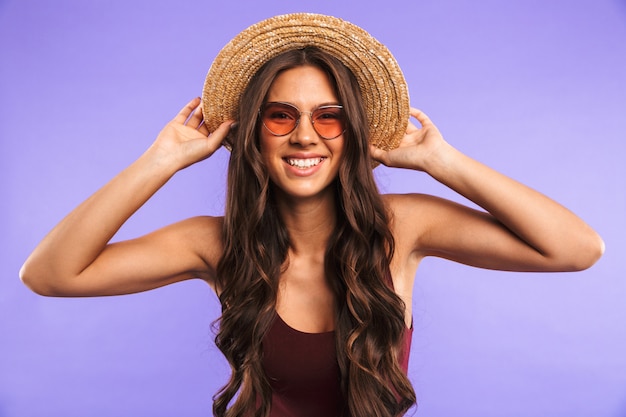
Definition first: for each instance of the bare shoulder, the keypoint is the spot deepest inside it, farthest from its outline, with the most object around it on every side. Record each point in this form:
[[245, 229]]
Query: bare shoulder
[[415, 218], [204, 235], [204, 224], [411, 212], [401, 203], [419, 209], [414, 200], [409, 216]]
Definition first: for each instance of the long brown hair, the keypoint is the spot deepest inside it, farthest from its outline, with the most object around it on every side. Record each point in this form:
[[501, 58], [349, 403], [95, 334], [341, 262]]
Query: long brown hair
[[370, 325]]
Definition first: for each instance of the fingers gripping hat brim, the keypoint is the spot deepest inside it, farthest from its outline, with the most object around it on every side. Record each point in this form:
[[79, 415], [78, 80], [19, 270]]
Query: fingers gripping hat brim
[[380, 79]]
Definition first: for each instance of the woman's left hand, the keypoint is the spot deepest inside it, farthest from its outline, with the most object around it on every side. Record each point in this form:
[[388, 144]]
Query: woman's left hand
[[418, 147]]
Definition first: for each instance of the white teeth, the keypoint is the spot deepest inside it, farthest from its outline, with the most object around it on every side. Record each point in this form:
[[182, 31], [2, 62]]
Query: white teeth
[[304, 163]]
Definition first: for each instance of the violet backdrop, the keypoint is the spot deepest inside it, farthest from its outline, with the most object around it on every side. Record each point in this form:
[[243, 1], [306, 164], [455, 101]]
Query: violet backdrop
[[536, 89]]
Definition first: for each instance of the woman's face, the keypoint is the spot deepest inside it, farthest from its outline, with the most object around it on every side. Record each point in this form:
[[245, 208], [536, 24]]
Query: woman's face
[[302, 164]]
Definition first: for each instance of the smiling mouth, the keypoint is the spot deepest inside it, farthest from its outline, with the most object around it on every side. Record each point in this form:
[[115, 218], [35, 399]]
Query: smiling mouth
[[304, 163]]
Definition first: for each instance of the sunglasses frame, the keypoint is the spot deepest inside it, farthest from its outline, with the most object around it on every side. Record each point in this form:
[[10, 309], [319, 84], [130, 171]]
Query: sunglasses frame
[[300, 113]]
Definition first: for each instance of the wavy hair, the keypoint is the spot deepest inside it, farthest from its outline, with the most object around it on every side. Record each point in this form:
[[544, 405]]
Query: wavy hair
[[370, 325]]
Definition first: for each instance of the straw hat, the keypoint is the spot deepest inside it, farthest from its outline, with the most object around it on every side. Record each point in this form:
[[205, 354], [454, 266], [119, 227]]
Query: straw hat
[[382, 84]]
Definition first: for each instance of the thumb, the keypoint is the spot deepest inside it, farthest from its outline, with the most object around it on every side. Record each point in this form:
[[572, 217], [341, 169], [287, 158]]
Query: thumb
[[378, 154]]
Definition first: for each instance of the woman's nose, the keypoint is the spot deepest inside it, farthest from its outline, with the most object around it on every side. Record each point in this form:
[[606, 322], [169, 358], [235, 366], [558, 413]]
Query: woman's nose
[[304, 132]]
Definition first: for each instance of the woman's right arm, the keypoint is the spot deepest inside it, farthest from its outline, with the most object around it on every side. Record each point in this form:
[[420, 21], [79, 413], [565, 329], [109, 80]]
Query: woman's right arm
[[76, 258]]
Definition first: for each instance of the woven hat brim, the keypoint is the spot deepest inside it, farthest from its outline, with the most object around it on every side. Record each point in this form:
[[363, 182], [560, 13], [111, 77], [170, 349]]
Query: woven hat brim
[[380, 79]]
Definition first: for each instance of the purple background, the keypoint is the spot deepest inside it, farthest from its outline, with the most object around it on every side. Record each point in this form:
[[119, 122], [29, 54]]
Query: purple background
[[534, 88]]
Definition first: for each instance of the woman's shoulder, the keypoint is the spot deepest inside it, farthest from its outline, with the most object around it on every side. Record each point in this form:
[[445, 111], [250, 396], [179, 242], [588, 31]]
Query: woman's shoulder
[[205, 223], [208, 229], [201, 228], [204, 235], [400, 204], [412, 215]]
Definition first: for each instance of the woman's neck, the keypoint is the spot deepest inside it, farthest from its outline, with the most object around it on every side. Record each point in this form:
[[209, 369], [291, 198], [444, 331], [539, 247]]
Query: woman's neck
[[310, 222]]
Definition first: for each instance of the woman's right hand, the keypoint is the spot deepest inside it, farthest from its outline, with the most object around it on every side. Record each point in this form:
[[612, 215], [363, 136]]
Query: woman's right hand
[[185, 140]]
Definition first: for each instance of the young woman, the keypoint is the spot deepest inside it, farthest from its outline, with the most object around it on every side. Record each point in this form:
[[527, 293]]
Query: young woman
[[313, 267]]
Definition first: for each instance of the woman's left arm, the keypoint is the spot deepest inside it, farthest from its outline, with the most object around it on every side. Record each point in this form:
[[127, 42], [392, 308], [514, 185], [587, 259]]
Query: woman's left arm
[[522, 229]]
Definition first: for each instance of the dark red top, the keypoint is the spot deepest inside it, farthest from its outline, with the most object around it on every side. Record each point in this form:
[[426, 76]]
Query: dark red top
[[303, 371]]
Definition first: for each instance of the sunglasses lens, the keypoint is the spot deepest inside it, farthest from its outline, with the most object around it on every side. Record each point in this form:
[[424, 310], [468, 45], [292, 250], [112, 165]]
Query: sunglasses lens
[[328, 121], [278, 118]]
